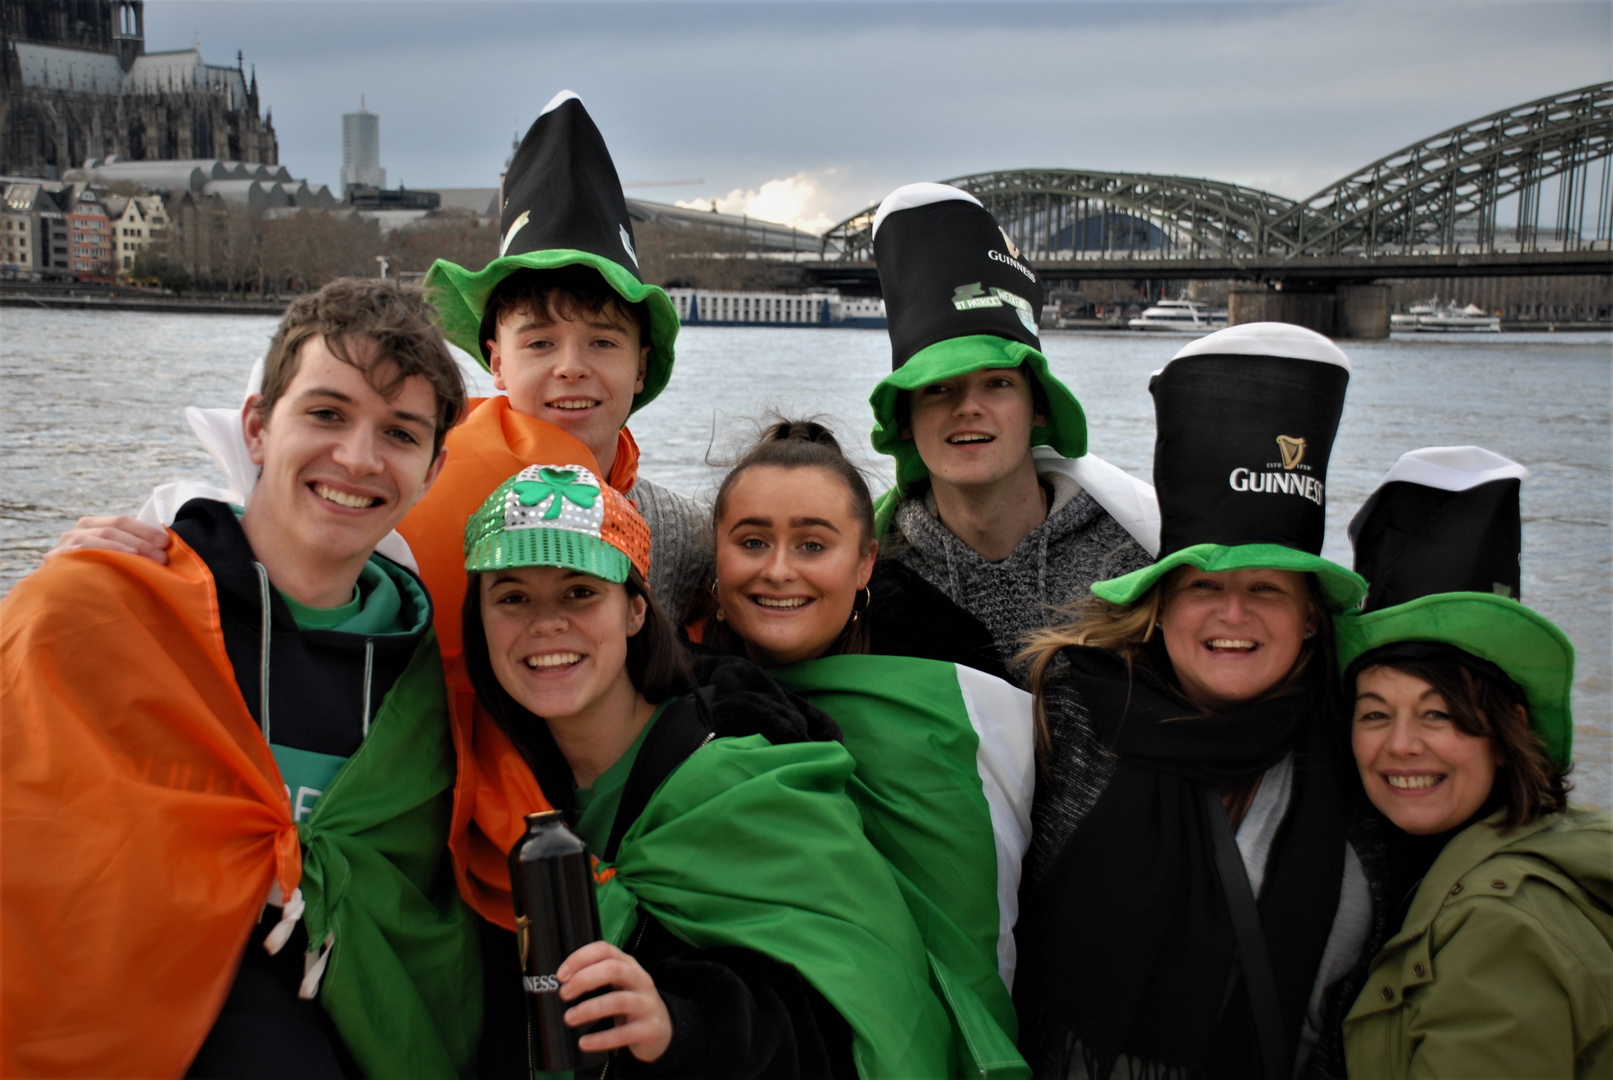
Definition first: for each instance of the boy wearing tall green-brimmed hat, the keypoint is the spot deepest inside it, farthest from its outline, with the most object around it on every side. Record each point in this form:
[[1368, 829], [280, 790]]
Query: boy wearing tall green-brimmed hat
[[569, 330], [997, 502]]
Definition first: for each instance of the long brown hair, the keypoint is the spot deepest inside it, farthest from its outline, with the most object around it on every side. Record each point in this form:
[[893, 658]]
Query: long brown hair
[[657, 663]]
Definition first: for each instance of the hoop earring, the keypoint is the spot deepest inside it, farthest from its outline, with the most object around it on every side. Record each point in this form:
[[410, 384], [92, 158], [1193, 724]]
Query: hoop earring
[[867, 598], [720, 616]]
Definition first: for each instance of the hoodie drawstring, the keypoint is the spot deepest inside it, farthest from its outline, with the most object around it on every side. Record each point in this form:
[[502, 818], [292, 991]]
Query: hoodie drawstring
[[263, 652], [369, 670]]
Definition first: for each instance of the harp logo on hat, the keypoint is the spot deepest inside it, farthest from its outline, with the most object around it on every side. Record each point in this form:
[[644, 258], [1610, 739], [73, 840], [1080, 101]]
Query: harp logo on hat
[[1008, 242], [627, 242], [1293, 451]]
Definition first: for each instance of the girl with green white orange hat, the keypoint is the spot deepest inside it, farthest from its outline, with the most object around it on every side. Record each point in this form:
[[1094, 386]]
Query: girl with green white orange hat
[[1192, 891], [1502, 933]]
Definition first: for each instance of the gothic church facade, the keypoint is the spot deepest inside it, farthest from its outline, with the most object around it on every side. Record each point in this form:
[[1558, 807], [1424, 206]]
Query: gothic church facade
[[76, 83]]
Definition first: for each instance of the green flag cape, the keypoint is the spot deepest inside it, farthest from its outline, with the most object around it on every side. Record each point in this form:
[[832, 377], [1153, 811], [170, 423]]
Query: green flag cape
[[755, 845], [945, 770], [404, 977]]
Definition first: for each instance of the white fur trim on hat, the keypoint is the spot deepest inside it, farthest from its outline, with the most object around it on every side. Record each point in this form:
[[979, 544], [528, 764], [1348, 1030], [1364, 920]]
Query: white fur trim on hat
[[910, 195], [559, 100], [1268, 339], [1453, 468]]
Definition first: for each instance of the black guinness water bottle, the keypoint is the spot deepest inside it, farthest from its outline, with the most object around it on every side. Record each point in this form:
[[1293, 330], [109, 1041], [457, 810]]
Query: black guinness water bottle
[[555, 915]]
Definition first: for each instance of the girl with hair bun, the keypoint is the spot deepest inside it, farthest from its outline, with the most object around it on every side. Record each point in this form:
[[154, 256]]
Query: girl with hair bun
[[943, 748], [830, 565]]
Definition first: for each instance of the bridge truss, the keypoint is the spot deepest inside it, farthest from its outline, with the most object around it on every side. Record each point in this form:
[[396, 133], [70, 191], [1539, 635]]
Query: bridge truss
[[1439, 196], [1418, 198]]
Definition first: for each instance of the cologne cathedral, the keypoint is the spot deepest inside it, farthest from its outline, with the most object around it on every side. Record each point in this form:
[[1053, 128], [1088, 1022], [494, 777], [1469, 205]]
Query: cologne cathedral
[[77, 83]]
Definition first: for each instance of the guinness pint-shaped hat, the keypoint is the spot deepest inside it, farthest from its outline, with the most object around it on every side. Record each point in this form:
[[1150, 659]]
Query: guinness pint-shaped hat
[[958, 298], [1245, 423], [563, 206], [558, 515], [1440, 541]]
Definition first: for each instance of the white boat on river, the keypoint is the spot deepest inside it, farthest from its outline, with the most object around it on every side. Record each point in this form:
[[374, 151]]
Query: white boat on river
[[1431, 318], [1182, 316]]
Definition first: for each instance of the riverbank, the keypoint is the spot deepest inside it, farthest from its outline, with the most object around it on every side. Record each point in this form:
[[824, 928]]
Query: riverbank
[[93, 297], [121, 298]]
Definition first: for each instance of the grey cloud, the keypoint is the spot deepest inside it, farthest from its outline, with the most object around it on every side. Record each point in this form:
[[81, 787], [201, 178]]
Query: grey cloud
[[1281, 95]]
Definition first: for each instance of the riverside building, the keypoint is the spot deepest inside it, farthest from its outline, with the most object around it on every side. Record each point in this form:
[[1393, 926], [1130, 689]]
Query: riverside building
[[708, 307]]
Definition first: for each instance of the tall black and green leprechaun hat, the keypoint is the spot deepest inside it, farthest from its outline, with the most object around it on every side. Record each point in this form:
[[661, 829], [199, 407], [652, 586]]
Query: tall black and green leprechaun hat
[[1245, 423], [1440, 541], [959, 298], [563, 206]]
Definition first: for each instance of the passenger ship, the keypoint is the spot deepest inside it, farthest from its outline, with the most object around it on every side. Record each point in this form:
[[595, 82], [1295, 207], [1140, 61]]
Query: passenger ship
[[1182, 316], [706, 307], [1431, 318]]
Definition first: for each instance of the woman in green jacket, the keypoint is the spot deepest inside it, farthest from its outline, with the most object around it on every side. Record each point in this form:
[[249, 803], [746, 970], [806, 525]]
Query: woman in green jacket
[[1461, 733]]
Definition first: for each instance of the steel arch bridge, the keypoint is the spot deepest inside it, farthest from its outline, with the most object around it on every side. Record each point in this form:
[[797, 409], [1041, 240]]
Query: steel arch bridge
[[1436, 197]]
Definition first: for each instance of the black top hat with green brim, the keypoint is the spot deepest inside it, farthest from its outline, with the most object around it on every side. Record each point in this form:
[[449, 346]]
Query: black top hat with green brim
[[563, 206], [1440, 540], [958, 298], [1245, 423]]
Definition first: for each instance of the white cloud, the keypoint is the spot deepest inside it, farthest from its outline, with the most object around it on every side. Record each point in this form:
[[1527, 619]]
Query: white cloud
[[801, 201]]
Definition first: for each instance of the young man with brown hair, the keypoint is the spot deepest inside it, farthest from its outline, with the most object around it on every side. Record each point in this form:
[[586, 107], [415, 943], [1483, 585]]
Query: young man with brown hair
[[228, 778], [578, 342]]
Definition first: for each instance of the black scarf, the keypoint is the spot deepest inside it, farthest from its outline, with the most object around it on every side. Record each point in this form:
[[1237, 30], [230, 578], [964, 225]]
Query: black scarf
[[1127, 939]]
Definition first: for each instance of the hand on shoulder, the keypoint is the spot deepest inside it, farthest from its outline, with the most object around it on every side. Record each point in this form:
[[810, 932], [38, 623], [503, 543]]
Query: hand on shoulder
[[114, 533]]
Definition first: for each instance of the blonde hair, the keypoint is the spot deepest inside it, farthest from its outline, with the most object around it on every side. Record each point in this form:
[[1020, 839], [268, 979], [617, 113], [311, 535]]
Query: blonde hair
[[1126, 629]]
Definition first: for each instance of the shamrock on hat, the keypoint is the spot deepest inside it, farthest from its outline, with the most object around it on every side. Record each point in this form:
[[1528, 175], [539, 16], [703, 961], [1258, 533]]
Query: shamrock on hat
[[563, 206], [558, 515]]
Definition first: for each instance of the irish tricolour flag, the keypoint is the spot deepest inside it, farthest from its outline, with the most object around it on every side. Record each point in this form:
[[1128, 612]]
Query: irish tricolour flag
[[945, 772]]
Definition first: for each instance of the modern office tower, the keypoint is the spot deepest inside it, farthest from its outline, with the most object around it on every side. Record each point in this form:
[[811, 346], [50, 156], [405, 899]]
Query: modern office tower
[[361, 149]]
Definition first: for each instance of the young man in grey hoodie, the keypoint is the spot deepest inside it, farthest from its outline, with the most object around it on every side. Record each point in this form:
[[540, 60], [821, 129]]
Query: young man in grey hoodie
[[996, 501]]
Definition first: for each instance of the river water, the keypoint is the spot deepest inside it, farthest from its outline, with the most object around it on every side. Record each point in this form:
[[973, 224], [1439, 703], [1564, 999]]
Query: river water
[[91, 417]]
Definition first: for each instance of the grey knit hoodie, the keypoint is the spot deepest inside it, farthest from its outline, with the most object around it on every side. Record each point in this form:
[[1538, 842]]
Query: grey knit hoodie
[[1077, 544], [681, 560]]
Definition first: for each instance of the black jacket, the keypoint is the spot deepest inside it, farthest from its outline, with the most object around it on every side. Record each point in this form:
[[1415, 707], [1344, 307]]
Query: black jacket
[[736, 1013], [316, 702]]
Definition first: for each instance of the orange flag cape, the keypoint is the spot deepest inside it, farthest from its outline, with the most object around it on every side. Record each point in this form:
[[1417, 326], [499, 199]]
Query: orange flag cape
[[131, 764], [495, 789]]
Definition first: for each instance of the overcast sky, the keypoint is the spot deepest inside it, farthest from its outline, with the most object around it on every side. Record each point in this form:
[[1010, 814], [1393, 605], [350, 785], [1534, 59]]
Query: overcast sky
[[809, 112]]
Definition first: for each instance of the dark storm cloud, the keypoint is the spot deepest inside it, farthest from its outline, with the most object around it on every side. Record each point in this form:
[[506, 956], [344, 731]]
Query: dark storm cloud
[[1283, 96]]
